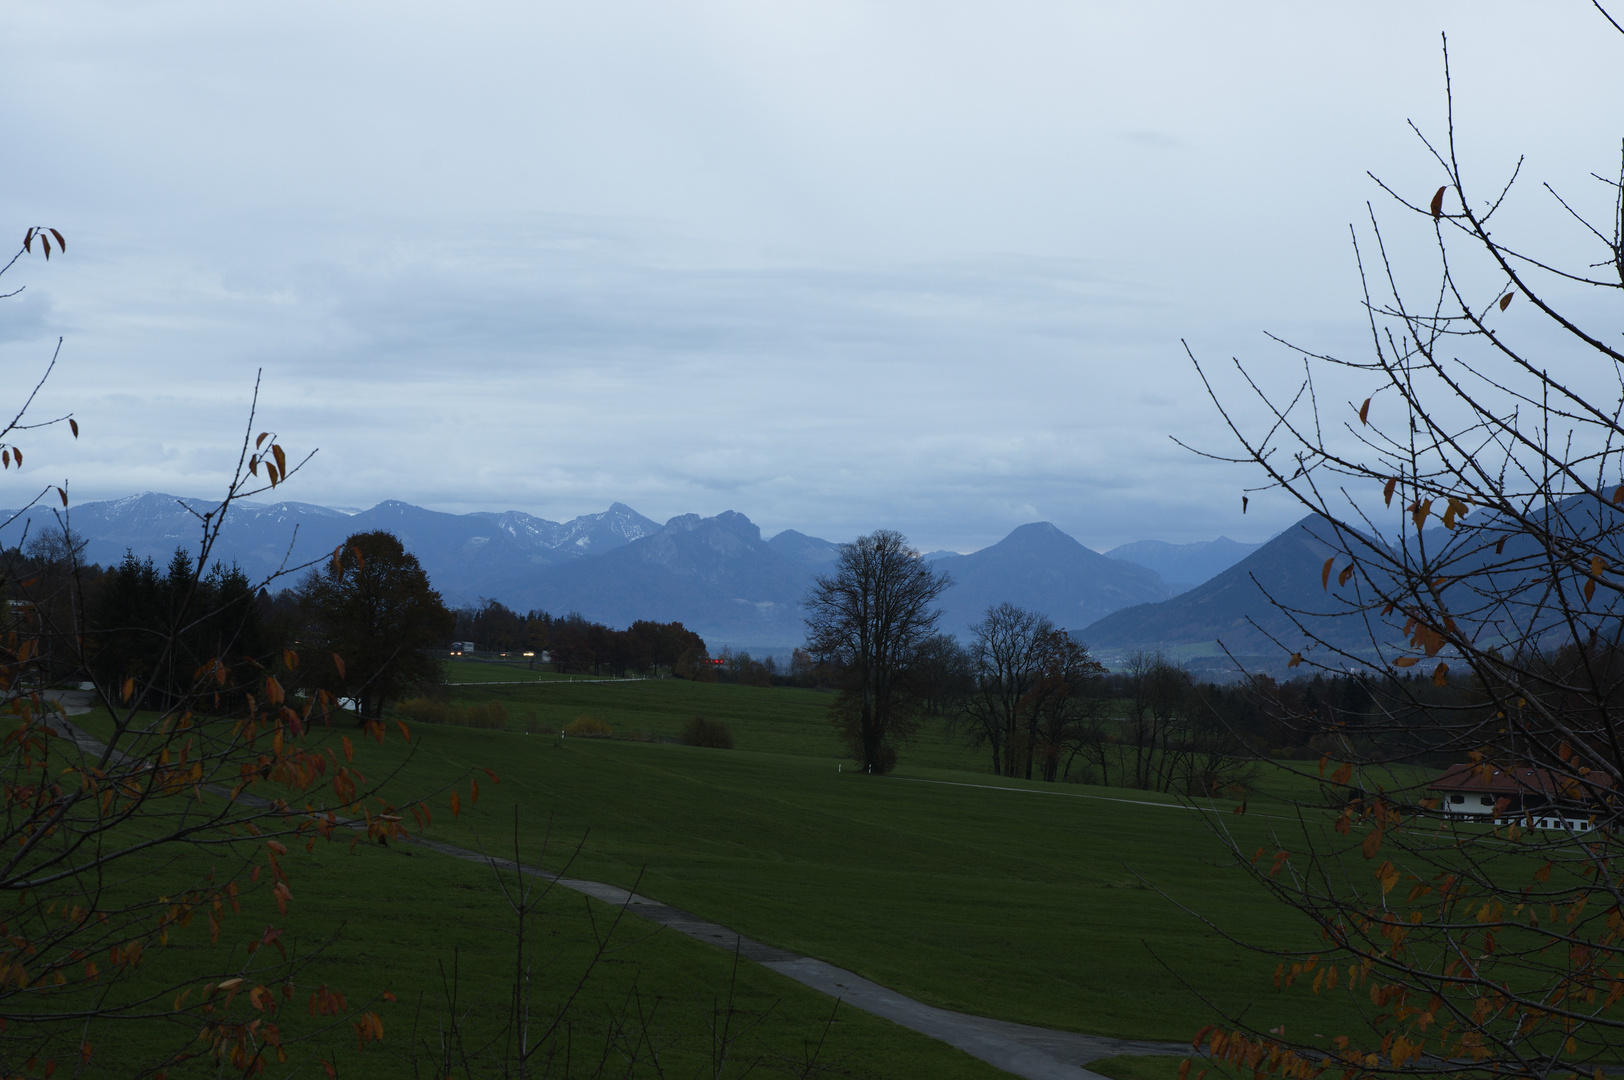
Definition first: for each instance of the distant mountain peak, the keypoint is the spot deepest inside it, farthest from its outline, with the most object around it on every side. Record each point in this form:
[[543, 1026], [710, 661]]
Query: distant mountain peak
[[1038, 534]]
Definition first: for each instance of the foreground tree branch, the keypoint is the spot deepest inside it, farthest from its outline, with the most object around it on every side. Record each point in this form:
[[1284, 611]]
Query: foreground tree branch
[[1460, 867]]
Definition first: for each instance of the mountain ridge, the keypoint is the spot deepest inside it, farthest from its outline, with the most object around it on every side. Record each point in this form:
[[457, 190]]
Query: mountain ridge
[[716, 574]]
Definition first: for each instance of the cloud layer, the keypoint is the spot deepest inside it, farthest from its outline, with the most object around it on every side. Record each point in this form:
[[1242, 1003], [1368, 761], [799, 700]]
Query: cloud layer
[[837, 266]]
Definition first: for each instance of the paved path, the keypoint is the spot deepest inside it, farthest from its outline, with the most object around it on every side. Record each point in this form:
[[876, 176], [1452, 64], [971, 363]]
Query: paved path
[[1031, 1052]]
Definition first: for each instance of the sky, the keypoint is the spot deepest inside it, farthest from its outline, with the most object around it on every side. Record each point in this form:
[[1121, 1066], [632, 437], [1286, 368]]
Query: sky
[[837, 266]]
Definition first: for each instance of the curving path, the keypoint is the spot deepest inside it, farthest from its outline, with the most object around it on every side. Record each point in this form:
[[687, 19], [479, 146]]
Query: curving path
[[1031, 1052]]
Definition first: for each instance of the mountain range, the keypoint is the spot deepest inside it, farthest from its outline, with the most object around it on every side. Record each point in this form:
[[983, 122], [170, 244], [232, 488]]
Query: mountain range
[[1241, 605], [718, 575]]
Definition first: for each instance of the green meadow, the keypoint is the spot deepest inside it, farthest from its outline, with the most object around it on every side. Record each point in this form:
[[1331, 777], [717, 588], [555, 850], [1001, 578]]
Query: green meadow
[[1099, 910]]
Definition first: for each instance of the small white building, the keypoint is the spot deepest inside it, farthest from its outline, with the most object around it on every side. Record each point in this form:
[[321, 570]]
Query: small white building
[[1521, 795]]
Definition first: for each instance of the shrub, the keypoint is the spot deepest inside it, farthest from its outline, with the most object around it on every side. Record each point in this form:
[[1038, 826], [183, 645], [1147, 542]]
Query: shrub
[[587, 726], [427, 711], [712, 733]]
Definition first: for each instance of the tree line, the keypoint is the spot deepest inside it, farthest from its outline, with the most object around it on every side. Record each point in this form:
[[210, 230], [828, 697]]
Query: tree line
[[366, 625], [1041, 707], [575, 643]]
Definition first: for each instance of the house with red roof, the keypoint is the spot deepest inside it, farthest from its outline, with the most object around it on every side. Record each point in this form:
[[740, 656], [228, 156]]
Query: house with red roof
[[1522, 795]]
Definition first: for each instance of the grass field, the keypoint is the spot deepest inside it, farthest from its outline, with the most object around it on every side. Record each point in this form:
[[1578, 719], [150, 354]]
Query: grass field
[[1059, 905]]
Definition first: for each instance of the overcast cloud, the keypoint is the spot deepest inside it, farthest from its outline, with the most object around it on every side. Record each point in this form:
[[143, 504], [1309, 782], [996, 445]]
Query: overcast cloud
[[836, 266]]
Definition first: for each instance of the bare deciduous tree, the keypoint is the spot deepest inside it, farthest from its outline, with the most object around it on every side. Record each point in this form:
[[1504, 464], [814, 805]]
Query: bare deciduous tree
[[871, 617]]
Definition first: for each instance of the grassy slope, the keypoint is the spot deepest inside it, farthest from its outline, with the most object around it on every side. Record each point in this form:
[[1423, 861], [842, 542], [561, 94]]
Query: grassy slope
[[1022, 906], [400, 919], [1007, 903]]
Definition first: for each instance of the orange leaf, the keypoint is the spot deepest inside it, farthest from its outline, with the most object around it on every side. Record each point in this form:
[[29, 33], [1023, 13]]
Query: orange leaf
[[129, 688], [456, 804], [73, 426], [1372, 844], [1440, 675], [1590, 589], [1406, 661], [349, 748], [1342, 775], [1387, 492], [1364, 412], [1296, 658], [1505, 301], [1342, 578], [473, 791], [338, 662], [1438, 203], [405, 732], [261, 440], [64, 495], [1618, 495], [1325, 573], [281, 459]]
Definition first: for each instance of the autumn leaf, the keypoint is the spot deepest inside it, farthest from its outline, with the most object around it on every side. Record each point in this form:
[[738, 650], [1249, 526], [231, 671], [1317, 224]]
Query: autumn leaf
[[1387, 492], [1440, 675], [1364, 412], [1438, 203], [1505, 301], [1406, 661], [1372, 844], [338, 661], [1325, 573], [456, 804], [1296, 658]]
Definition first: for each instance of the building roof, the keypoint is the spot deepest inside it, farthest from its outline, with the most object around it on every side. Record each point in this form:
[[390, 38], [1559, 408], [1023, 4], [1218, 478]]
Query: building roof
[[1519, 780]]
